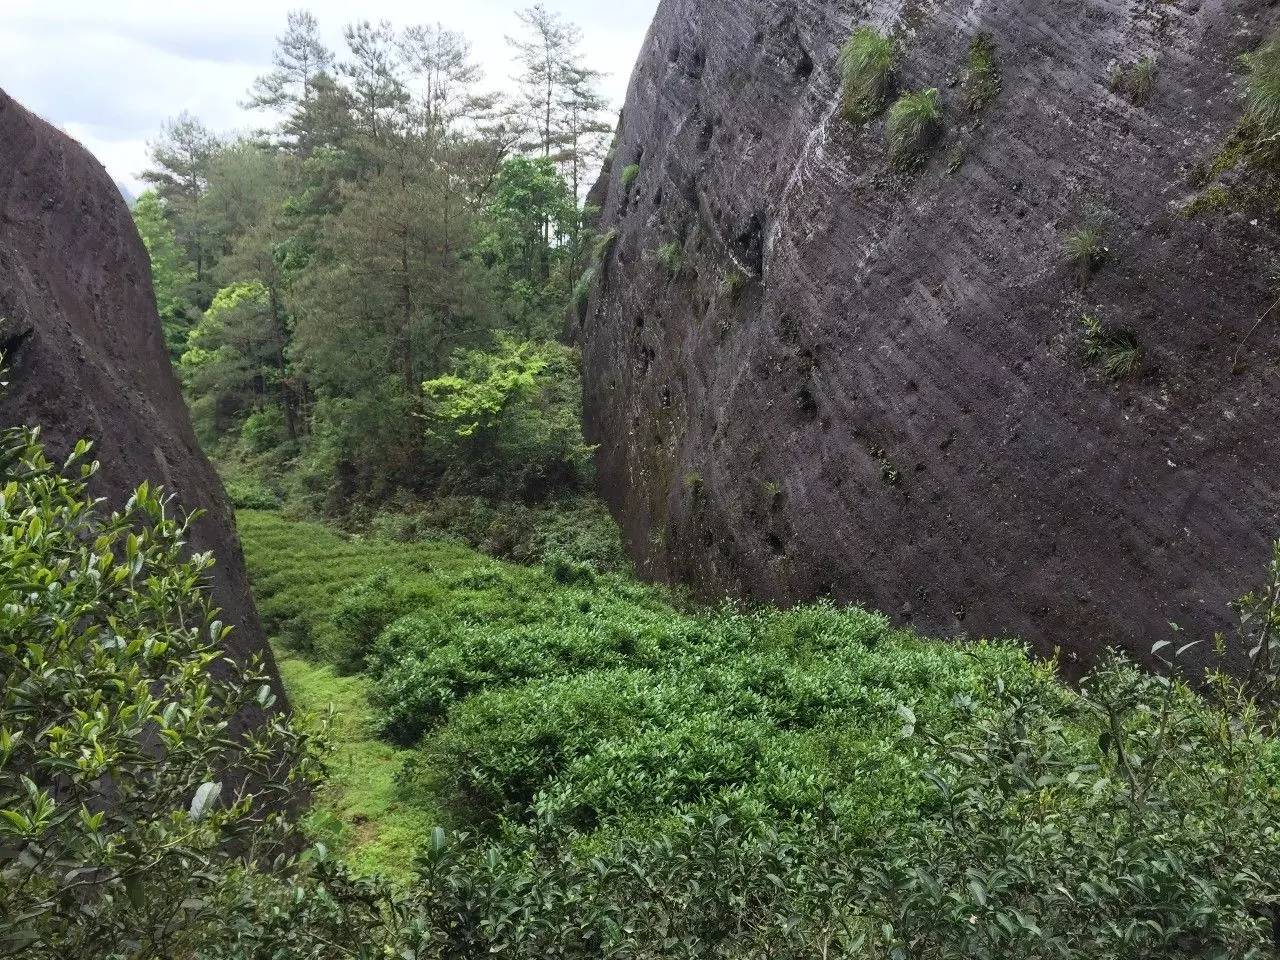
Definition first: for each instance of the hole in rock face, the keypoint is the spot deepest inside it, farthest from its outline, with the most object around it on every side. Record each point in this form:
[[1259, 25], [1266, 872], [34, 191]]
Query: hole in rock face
[[697, 64], [804, 68], [806, 404]]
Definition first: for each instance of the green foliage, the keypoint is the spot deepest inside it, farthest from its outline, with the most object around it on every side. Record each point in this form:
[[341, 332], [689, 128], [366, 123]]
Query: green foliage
[[233, 360], [982, 81], [868, 63], [733, 283], [915, 120], [172, 276], [582, 289], [1136, 82], [530, 230], [386, 225], [604, 245], [634, 774], [671, 256], [1264, 86], [1115, 348], [630, 173], [1086, 248], [125, 813], [263, 430], [509, 420]]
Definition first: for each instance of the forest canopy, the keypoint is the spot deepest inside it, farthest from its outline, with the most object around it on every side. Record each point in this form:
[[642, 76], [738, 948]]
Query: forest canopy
[[393, 224]]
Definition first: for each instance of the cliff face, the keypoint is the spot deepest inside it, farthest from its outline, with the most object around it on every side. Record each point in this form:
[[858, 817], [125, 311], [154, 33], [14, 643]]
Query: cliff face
[[840, 379], [84, 347]]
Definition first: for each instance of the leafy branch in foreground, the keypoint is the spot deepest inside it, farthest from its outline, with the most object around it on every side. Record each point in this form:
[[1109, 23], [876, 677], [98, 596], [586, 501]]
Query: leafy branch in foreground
[[124, 782]]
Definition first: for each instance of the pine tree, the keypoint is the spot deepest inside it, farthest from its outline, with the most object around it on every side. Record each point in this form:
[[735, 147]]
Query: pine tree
[[180, 174], [300, 59]]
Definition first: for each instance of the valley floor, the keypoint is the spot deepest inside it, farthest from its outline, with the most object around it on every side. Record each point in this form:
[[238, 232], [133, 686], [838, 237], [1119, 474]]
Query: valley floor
[[496, 698]]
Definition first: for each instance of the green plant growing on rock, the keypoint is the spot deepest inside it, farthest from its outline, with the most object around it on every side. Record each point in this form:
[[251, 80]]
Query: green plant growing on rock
[[582, 289], [1086, 249], [915, 120], [1264, 86], [1136, 82], [671, 256], [629, 175], [868, 63], [1116, 348], [982, 81], [733, 283], [604, 245]]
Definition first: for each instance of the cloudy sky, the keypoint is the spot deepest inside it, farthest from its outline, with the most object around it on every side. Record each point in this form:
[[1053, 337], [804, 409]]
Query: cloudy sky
[[109, 72]]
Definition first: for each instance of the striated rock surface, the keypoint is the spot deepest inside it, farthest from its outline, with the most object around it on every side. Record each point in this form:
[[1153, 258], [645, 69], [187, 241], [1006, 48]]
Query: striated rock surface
[[84, 347], [845, 380]]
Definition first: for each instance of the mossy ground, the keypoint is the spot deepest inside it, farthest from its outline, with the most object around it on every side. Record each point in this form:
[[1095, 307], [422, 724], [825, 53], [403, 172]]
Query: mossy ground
[[361, 813]]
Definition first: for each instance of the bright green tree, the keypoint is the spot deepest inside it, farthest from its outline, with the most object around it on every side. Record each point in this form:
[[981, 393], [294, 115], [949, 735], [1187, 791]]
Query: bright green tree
[[172, 275], [530, 229], [234, 363], [509, 420]]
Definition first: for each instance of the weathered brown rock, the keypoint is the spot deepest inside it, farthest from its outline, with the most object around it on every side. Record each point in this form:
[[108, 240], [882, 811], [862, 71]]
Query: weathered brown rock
[[894, 406], [84, 347]]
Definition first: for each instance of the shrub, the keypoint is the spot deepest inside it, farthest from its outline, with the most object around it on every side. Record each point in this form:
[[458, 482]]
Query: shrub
[[636, 773], [1136, 82], [509, 421], [915, 120], [867, 67], [248, 493], [1264, 86], [128, 809], [263, 430], [1116, 348], [982, 82], [671, 256], [629, 175]]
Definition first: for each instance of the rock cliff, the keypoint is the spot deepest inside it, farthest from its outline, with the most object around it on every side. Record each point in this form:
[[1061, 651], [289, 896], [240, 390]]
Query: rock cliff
[[84, 348], [811, 372]]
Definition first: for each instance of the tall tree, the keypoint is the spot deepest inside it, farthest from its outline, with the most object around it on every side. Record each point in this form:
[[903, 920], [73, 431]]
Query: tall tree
[[549, 45], [439, 62], [374, 72], [172, 275], [181, 161], [300, 58], [562, 108]]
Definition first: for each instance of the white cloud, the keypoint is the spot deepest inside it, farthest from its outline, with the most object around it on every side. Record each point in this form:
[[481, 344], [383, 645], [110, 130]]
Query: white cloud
[[111, 73]]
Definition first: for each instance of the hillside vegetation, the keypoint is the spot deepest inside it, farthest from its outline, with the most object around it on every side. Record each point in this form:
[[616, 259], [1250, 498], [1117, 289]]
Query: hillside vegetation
[[503, 743], [609, 764]]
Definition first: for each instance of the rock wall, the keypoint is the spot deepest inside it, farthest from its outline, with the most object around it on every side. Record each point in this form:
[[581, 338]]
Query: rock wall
[[84, 347], [851, 381]]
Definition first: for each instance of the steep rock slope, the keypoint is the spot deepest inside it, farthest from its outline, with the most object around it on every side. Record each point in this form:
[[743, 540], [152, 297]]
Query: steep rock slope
[[812, 374], [84, 348]]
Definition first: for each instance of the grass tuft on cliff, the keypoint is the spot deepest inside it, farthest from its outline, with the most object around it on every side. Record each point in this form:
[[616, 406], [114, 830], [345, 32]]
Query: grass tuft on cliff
[[982, 81], [1136, 82], [1264, 86], [915, 120], [867, 66], [1116, 348]]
